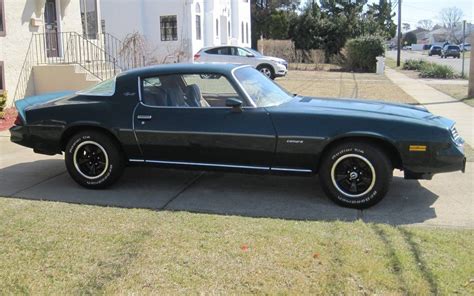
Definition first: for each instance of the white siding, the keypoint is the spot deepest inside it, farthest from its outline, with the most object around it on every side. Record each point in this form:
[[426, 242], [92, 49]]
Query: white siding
[[14, 46], [123, 17]]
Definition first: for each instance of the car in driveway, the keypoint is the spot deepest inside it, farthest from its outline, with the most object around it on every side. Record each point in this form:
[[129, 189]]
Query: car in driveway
[[231, 117], [435, 50], [451, 51], [271, 67]]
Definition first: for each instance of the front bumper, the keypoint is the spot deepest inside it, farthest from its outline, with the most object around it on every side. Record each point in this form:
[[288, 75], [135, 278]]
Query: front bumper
[[280, 70], [450, 159]]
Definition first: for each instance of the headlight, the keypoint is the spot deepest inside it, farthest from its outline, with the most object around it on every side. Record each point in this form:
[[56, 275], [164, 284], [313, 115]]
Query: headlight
[[456, 137]]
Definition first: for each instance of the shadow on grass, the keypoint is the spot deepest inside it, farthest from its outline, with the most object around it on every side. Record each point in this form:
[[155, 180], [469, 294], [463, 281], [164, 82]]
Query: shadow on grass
[[284, 197], [428, 276], [396, 265]]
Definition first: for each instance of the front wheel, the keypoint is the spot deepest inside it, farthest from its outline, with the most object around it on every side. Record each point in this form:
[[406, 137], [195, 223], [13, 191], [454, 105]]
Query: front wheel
[[93, 159], [355, 174]]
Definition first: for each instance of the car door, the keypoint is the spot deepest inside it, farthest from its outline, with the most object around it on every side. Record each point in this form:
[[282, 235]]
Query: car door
[[171, 129]]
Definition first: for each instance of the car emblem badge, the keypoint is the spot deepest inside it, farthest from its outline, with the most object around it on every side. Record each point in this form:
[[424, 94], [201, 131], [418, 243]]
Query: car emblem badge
[[294, 141]]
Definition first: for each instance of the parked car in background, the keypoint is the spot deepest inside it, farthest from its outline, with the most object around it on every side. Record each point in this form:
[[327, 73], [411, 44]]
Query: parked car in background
[[270, 66], [465, 46], [231, 117], [435, 50], [451, 51]]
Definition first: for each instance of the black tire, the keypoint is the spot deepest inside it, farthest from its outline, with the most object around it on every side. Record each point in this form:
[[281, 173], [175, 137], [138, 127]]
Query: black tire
[[358, 163], [267, 70], [93, 159]]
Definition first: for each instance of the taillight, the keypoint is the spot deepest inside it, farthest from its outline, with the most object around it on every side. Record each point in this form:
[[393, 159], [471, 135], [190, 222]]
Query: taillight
[[197, 56], [18, 120]]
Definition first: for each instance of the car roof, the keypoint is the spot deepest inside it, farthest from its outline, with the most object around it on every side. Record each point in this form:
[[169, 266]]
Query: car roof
[[183, 68]]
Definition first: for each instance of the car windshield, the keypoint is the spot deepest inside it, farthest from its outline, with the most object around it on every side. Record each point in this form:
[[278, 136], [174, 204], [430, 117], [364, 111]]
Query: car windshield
[[263, 91], [254, 52]]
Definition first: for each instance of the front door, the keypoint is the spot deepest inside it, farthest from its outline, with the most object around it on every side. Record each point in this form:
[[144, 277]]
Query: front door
[[175, 126], [51, 29]]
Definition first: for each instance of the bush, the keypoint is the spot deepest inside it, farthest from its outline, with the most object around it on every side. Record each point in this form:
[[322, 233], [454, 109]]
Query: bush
[[413, 64], [285, 49], [3, 102], [432, 70], [362, 51]]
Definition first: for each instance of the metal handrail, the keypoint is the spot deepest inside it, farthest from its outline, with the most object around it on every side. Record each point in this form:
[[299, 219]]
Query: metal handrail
[[100, 57]]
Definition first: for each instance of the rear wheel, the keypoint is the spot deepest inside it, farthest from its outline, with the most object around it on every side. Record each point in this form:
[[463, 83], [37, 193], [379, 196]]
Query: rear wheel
[[267, 71], [93, 159], [355, 174]]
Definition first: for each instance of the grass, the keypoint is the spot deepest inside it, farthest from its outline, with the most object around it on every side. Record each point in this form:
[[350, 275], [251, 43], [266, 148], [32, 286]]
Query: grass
[[344, 85], [56, 248], [457, 91]]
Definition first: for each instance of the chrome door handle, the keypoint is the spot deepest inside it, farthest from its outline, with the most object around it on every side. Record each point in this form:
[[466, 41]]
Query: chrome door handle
[[144, 117]]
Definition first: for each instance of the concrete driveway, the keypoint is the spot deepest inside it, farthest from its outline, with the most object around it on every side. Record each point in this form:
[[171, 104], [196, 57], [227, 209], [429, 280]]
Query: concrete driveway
[[456, 64], [447, 200]]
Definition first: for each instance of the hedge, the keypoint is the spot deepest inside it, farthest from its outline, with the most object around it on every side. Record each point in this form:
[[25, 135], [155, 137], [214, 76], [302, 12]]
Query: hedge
[[362, 51]]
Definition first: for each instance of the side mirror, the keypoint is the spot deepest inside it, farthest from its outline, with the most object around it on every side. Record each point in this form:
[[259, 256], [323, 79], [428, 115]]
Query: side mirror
[[249, 55], [236, 104]]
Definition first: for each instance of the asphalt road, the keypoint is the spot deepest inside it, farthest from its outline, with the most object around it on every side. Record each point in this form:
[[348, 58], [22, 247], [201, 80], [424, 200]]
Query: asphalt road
[[446, 201], [456, 64]]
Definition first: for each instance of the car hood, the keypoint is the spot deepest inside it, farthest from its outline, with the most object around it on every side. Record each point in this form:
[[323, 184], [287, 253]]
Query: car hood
[[357, 107], [274, 59]]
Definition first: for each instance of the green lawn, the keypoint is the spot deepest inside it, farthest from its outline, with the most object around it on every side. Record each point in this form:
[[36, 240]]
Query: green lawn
[[57, 248]]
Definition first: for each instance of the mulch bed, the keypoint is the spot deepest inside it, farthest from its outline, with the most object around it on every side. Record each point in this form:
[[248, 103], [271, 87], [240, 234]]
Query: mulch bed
[[9, 117]]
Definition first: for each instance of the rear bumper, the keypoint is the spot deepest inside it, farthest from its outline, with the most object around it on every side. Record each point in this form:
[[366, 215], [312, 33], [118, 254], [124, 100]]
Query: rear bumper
[[21, 135]]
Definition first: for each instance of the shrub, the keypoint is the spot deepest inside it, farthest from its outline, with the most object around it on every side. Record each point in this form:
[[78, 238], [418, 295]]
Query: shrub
[[413, 64], [285, 49], [3, 102], [432, 70], [362, 51]]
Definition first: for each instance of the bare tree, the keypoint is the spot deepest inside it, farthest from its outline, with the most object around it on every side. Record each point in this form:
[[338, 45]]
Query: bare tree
[[451, 18], [426, 24]]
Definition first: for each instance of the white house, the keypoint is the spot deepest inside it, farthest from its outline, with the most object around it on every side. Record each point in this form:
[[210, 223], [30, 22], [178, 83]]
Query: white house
[[25, 24], [176, 29]]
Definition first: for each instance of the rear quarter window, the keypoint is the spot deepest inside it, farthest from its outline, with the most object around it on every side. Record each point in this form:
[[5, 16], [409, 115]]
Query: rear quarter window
[[105, 88]]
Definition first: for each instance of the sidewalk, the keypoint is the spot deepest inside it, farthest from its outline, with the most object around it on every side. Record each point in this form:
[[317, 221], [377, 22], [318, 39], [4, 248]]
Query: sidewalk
[[438, 103]]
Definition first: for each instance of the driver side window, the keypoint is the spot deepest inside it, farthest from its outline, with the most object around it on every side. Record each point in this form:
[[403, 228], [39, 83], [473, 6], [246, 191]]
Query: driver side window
[[188, 90]]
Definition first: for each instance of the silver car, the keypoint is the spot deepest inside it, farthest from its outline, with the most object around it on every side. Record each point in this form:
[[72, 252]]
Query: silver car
[[270, 66]]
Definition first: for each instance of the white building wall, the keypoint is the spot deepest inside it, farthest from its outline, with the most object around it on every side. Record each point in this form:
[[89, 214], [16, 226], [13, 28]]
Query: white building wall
[[123, 17], [19, 28]]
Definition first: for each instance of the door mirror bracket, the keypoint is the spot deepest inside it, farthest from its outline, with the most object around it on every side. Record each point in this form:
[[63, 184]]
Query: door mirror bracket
[[236, 104]]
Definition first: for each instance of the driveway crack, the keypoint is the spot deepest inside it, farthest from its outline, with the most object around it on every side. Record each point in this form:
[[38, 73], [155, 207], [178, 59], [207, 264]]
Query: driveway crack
[[183, 189]]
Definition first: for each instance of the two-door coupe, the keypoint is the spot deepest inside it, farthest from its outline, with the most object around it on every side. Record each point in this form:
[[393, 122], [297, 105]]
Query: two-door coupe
[[217, 116]]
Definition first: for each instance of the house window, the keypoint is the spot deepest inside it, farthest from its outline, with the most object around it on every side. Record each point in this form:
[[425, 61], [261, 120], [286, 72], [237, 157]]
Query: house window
[[169, 28], [2, 78], [90, 23], [2, 19], [217, 27], [198, 27], [247, 32], [242, 32], [198, 21]]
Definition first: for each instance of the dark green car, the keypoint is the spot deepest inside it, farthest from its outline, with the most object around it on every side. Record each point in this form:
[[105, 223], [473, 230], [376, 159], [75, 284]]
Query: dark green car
[[229, 117]]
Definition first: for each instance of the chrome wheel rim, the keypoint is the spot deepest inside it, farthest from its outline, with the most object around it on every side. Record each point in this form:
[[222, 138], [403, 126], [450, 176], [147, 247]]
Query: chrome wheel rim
[[353, 175], [266, 72], [90, 160]]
